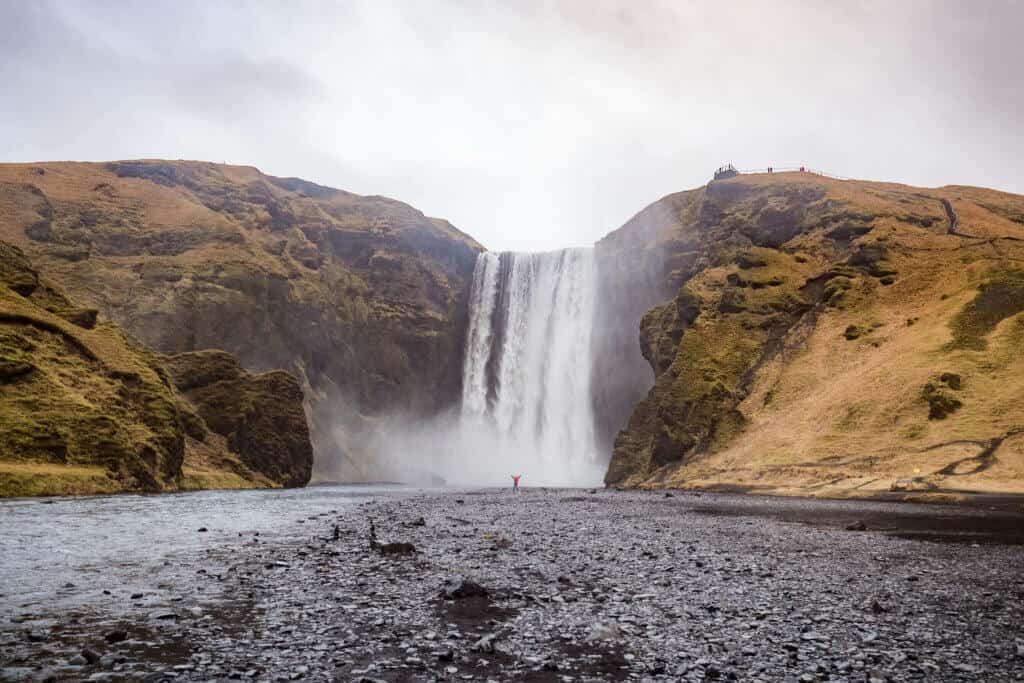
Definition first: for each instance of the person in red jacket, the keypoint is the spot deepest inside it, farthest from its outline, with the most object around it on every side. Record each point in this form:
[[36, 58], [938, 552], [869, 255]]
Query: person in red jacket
[[515, 483]]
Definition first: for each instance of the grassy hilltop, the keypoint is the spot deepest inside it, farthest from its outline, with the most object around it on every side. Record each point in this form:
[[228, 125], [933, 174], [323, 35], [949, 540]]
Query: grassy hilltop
[[830, 337]]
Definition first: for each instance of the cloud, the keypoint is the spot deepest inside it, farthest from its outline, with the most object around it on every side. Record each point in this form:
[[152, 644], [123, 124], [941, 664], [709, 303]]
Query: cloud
[[531, 125]]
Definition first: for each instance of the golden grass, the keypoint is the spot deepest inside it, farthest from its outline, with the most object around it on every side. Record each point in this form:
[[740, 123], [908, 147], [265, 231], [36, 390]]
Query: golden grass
[[202, 480], [48, 479], [831, 416]]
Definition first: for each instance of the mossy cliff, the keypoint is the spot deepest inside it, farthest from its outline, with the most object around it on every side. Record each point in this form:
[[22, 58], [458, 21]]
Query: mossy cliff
[[85, 408], [828, 337], [361, 298], [261, 416]]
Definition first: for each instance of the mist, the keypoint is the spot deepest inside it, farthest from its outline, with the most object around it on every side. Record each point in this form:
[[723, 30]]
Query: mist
[[449, 450]]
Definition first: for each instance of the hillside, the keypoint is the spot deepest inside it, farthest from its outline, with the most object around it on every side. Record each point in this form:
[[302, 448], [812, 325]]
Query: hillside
[[85, 408], [829, 337], [361, 298]]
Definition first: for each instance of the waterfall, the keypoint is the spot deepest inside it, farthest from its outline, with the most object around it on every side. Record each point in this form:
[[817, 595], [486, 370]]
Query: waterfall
[[526, 397]]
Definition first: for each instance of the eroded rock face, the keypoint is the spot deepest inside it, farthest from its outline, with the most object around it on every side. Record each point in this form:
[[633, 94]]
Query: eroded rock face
[[360, 298], [759, 381], [261, 416], [85, 408]]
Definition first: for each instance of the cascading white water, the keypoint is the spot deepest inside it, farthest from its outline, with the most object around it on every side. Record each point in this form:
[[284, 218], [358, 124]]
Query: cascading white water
[[526, 401], [478, 339]]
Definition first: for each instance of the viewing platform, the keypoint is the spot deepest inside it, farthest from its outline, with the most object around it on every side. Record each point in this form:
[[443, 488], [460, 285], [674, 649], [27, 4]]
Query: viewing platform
[[729, 171]]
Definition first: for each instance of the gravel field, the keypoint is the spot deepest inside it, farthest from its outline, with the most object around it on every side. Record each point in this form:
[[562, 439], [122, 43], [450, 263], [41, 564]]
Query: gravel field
[[566, 585]]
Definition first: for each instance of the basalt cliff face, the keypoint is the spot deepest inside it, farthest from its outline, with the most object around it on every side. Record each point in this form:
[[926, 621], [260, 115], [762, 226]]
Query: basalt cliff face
[[362, 298], [85, 408], [823, 337]]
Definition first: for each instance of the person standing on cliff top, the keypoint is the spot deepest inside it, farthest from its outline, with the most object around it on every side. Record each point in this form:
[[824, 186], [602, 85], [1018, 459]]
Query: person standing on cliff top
[[515, 483]]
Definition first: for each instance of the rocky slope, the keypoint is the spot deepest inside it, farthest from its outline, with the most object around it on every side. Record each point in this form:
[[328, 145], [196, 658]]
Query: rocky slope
[[85, 408], [362, 298], [828, 337]]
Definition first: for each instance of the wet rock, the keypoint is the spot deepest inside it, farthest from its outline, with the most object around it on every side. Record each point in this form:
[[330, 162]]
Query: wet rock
[[115, 636], [602, 631], [485, 644], [17, 674], [398, 548], [459, 587], [419, 521], [90, 656], [859, 525], [202, 530], [164, 615]]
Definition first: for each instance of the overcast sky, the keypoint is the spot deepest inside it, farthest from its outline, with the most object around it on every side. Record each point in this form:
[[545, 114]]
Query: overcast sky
[[529, 125]]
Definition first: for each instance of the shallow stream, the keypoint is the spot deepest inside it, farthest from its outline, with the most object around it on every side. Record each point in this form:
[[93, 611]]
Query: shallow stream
[[68, 551]]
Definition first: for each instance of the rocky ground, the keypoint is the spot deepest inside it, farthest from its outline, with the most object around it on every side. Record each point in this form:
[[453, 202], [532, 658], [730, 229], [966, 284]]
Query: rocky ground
[[569, 586]]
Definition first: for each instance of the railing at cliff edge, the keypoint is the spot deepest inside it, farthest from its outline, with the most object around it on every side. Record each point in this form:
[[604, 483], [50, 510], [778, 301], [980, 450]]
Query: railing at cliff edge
[[793, 169]]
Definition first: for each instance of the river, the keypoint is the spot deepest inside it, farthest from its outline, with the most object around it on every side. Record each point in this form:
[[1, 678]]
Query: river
[[66, 551]]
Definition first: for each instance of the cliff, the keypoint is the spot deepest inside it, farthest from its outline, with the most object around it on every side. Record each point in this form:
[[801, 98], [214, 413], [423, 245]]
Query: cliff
[[361, 298], [827, 337], [85, 408]]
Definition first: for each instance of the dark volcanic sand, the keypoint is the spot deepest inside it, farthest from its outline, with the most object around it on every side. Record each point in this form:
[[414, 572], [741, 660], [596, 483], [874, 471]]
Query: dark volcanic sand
[[581, 586]]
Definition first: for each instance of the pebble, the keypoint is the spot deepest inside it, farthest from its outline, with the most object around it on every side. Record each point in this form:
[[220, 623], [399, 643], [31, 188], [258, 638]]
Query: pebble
[[607, 586]]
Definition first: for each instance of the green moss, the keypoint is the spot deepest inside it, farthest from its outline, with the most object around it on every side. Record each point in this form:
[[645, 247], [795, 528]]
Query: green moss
[[835, 291], [13, 368], [952, 380], [1000, 297], [941, 404], [160, 271], [750, 259], [873, 258], [260, 416], [45, 479]]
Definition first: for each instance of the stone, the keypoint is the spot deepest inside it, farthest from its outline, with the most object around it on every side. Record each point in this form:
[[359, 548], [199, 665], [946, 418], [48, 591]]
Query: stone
[[459, 587], [485, 644], [604, 631]]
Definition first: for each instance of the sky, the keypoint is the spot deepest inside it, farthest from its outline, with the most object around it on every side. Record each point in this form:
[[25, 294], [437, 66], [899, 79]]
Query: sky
[[529, 125]]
